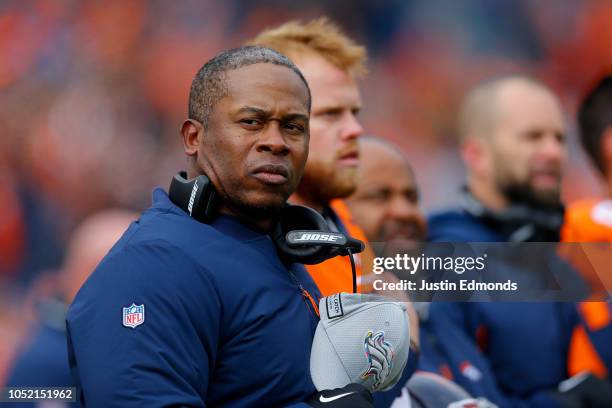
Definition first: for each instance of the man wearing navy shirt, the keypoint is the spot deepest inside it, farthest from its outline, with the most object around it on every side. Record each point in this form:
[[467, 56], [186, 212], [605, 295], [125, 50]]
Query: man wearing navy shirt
[[513, 142], [185, 313]]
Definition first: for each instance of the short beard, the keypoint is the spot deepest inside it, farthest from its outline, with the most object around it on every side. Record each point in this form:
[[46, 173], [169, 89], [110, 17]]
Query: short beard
[[321, 187], [523, 193]]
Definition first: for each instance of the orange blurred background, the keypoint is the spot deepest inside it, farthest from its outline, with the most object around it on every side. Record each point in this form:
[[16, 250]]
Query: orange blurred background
[[92, 94]]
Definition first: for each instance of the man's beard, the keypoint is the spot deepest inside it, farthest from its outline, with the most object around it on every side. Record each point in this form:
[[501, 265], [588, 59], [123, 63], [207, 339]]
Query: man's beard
[[523, 193], [322, 184], [400, 238]]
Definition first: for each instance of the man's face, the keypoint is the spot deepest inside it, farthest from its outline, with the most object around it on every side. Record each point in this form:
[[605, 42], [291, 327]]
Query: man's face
[[386, 202], [332, 163], [256, 144], [527, 148]]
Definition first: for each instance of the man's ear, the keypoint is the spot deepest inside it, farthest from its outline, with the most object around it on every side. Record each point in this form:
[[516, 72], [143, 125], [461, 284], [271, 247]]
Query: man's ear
[[472, 151], [192, 132], [606, 149]]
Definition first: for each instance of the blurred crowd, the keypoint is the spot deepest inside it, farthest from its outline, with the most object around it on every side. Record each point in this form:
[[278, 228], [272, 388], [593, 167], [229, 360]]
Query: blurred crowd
[[92, 94]]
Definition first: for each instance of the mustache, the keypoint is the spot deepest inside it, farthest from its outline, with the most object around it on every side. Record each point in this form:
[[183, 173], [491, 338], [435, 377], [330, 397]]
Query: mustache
[[552, 170], [349, 150], [409, 230]]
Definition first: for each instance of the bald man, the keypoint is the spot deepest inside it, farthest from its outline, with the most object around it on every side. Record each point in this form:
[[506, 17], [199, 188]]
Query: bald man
[[513, 143], [43, 362], [386, 202], [386, 206]]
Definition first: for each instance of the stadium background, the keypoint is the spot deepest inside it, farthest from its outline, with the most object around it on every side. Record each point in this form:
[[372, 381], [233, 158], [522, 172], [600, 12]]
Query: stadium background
[[92, 94]]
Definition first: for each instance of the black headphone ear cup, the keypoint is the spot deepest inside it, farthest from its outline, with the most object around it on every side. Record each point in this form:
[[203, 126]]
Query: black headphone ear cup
[[195, 196], [298, 217], [205, 201]]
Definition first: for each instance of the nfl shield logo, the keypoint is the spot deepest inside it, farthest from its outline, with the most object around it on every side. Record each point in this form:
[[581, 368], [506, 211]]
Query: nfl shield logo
[[133, 315]]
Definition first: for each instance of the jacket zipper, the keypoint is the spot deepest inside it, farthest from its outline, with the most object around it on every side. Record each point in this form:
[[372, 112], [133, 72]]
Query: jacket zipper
[[306, 295]]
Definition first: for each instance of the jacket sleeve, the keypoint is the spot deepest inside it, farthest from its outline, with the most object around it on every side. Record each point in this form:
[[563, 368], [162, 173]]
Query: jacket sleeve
[[168, 358], [469, 366]]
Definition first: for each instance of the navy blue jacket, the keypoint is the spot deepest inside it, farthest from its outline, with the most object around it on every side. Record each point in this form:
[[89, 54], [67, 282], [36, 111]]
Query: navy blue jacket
[[513, 353], [225, 322]]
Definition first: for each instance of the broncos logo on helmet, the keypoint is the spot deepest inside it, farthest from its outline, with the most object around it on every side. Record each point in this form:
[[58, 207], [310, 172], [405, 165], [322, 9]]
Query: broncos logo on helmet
[[380, 357]]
